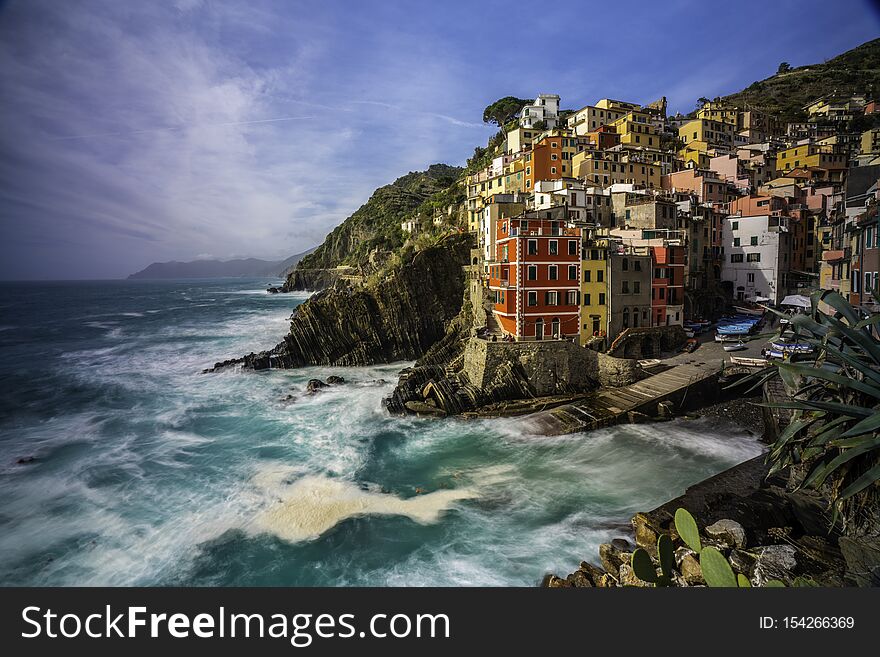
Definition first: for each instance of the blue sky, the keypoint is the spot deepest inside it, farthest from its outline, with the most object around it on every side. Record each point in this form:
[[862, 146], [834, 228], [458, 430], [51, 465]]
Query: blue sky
[[133, 132]]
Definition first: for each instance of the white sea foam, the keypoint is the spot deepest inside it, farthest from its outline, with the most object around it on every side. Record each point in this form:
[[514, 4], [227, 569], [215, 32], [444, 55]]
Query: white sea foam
[[313, 504]]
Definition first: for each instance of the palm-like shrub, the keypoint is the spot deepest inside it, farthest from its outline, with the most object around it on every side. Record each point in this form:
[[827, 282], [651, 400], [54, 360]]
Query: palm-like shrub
[[834, 432]]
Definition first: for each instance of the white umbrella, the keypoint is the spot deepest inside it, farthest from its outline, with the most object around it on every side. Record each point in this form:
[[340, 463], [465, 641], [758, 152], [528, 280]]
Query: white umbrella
[[798, 300]]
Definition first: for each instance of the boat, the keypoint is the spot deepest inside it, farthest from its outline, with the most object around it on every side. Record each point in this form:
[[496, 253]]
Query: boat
[[791, 347], [749, 362], [726, 338], [736, 346], [691, 345]]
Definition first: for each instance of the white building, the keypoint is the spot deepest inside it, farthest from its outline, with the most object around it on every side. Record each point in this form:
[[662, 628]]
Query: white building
[[756, 256], [545, 108], [412, 226]]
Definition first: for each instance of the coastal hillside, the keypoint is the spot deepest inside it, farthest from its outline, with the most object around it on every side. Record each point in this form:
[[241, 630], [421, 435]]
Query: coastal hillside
[[375, 226], [856, 71], [239, 268]]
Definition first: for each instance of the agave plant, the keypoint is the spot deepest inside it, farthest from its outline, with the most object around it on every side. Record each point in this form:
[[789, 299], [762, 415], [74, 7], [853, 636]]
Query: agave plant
[[835, 398]]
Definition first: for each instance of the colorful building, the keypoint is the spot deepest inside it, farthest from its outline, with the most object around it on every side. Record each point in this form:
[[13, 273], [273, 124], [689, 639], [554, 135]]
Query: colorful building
[[534, 280]]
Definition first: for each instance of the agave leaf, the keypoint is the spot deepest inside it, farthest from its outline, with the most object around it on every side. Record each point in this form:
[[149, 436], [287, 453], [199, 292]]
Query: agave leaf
[[861, 483], [870, 321], [837, 407], [868, 425], [742, 581], [845, 456], [829, 431], [716, 570], [865, 368], [862, 339], [818, 469], [774, 584], [793, 428], [686, 527], [818, 373], [841, 305]]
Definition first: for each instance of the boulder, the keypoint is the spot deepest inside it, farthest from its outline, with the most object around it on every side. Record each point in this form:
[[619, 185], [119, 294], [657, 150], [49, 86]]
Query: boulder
[[314, 385], [729, 532], [335, 380], [741, 562], [26, 459], [774, 562], [611, 557], [579, 579], [690, 569]]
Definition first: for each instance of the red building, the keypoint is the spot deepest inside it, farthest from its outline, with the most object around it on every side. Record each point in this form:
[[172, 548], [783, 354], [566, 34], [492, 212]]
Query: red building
[[667, 284], [535, 279]]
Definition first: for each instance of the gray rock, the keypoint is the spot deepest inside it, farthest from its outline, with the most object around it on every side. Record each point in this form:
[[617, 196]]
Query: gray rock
[[741, 562], [774, 562], [728, 531], [611, 558], [335, 380]]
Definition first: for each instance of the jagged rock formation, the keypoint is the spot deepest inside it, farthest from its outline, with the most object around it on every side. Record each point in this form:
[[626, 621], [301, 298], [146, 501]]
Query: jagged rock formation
[[396, 318], [374, 227]]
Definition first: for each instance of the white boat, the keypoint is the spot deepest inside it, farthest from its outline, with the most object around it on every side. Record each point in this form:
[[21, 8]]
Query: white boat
[[749, 362], [726, 338], [737, 346]]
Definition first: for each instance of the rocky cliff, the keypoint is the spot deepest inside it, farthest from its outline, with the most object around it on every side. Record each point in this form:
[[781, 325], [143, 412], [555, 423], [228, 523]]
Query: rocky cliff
[[396, 318]]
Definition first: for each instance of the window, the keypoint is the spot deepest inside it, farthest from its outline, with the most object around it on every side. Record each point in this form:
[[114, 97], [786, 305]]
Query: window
[[751, 278], [533, 247], [554, 247], [624, 287], [532, 298], [533, 272], [586, 299], [637, 287], [554, 157], [637, 265], [625, 265], [601, 298], [551, 298], [753, 257], [867, 281], [572, 272], [736, 241], [587, 273], [572, 247], [600, 275], [571, 298], [553, 272], [736, 257], [754, 240]]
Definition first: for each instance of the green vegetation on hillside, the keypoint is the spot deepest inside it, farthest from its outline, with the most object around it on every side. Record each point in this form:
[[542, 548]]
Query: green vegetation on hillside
[[376, 224], [504, 109], [856, 71]]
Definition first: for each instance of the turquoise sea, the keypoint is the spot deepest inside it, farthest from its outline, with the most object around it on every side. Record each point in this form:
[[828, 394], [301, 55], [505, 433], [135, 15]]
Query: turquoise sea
[[139, 470]]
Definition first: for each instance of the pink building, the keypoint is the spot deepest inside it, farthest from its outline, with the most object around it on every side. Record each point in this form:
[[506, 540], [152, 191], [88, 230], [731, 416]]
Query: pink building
[[706, 184]]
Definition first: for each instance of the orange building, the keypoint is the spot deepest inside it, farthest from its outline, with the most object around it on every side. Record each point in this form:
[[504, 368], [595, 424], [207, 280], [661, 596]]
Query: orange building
[[550, 159], [535, 280]]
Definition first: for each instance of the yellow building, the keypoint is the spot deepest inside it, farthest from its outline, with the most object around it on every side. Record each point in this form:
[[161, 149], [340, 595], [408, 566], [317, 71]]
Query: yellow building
[[696, 154], [871, 141], [636, 129], [594, 287], [810, 155], [716, 134], [605, 112], [719, 112]]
